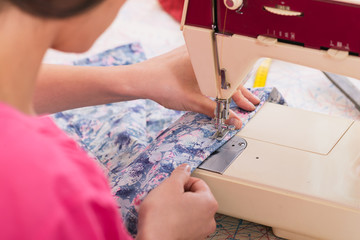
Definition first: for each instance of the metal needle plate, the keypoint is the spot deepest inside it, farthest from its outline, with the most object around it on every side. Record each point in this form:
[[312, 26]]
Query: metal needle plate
[[221, 159]]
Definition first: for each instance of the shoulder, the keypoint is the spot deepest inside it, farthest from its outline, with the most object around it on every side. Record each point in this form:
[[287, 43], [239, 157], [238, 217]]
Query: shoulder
[[37, 144]]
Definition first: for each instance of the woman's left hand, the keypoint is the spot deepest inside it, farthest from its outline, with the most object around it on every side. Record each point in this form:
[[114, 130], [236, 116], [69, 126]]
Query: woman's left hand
[[172, 83]]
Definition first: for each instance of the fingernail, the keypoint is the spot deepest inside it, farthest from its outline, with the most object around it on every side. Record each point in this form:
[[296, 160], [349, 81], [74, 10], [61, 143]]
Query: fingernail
[[185, 167], [235, 122], [251, 105]]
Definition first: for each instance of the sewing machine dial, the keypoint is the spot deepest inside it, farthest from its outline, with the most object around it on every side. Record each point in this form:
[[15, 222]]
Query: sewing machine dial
[[233, 4]]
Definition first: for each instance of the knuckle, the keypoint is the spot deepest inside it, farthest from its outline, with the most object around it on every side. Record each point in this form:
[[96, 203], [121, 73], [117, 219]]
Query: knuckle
[[212, 227], [215, 205], [201, 181], [212, 204]]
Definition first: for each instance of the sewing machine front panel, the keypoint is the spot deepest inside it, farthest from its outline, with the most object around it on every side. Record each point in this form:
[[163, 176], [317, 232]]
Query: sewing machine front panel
[[318, 24], [300, 192]]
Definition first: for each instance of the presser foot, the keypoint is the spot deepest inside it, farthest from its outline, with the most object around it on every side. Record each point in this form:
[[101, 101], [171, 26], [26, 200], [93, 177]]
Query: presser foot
[[221, 133], [221, 114]]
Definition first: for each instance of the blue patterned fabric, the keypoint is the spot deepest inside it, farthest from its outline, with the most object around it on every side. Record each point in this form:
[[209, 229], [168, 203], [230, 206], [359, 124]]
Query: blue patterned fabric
[[188, 140], [139, 143], [114, 133], [122, 55]]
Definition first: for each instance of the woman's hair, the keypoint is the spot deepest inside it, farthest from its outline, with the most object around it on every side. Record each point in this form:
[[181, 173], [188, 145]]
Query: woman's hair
[[53, 8]]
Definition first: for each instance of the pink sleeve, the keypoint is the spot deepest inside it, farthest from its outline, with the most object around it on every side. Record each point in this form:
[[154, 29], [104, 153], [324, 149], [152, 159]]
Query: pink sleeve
[[50, 188]]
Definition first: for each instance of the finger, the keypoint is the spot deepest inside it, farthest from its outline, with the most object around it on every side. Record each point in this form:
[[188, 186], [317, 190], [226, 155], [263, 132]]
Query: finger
[[212, 227], [181, 175], [204, 105], [207, 107], [251, 97], [242, 101], [196, 185], [189, 183], [234, 120]]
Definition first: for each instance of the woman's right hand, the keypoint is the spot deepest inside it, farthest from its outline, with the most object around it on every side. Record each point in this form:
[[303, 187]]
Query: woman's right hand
[[182, 207]]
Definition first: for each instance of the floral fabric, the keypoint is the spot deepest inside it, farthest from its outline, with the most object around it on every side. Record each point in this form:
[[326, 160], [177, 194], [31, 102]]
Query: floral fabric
[[139, 143]]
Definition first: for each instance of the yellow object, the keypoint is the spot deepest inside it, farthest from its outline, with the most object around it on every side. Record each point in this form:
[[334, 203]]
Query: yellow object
[[261, 73]]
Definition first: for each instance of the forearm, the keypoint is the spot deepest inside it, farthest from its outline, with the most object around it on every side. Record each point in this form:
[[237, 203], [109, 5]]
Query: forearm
[[168, 79], [61, 87]]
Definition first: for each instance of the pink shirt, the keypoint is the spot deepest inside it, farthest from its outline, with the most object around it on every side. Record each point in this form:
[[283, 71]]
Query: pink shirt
[[49, 187]]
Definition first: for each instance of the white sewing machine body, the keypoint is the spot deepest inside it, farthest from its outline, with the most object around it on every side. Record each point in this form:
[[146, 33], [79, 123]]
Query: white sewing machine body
[[300, 171]]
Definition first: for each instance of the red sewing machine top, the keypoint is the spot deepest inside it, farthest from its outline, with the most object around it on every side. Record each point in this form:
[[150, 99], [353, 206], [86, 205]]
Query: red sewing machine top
[[319, 24]]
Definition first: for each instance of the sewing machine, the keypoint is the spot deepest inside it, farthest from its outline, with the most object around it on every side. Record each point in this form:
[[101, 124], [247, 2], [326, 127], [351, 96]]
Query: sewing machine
[[293, 170]]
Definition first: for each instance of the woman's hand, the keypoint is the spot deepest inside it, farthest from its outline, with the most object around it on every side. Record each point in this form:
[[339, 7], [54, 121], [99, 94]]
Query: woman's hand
[[182, 207], [172, 83]]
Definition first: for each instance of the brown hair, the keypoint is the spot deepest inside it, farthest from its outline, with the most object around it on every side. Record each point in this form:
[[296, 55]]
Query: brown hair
[[54, 8]]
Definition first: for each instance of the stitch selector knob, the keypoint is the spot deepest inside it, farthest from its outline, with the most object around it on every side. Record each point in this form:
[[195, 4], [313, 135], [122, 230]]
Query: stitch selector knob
[[233, 4]]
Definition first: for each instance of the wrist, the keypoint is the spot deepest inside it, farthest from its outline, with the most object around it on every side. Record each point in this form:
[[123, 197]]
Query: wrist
[[131, 82], [121, 83]]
